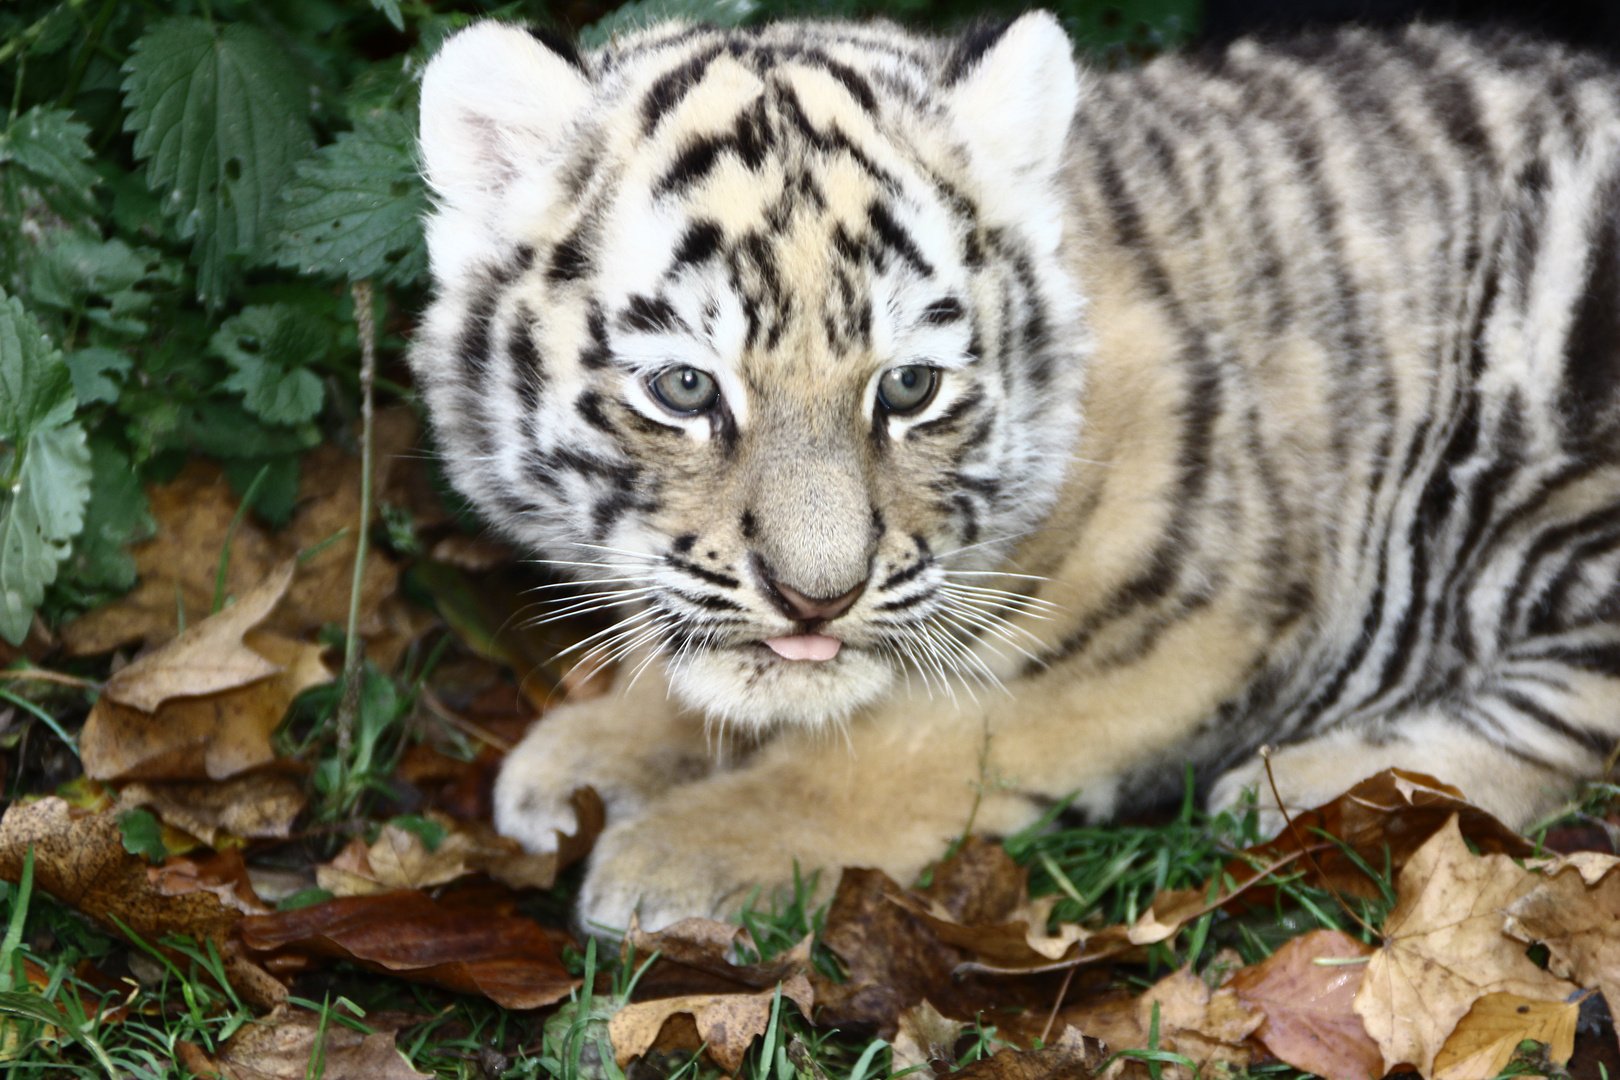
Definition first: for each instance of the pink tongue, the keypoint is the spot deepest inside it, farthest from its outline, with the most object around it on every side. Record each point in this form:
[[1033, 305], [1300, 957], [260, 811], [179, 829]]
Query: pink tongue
[[804, 646]]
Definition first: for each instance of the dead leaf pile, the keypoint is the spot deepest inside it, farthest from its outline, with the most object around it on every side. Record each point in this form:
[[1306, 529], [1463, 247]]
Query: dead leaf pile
[[205, 704]]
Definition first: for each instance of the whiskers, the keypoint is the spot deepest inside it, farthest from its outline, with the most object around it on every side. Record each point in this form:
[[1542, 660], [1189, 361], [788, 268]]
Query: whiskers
[[966, 613]]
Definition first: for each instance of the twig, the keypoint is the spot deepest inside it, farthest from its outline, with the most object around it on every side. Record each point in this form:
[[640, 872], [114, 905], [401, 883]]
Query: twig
[[431, 702], [1063, 992], [1265, 757], [353, 656], [41, 675]]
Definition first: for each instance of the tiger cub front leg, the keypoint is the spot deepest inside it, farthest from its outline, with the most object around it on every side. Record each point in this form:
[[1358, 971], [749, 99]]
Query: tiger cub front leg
[[890, 796], [631, 745]]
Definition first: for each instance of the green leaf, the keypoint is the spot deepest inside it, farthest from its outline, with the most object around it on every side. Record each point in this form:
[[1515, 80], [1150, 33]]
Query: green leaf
[[77, 268], [39, 516], [357, 209], [36, 388], [142, 835], [268, 346], [90, 379], [430, 832], [278, 491], [50, 144], [220, 116], [390, 8], [642, 13], [116, 517]]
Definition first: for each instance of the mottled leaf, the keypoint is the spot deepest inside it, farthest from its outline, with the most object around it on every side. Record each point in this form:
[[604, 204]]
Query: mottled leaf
[[356, 209]]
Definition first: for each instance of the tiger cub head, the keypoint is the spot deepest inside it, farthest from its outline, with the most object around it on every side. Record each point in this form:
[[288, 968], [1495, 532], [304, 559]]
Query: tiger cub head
[[766, 332]]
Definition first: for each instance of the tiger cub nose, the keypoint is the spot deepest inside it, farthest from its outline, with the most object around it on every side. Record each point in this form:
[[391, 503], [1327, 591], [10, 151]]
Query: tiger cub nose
[[796, 605]]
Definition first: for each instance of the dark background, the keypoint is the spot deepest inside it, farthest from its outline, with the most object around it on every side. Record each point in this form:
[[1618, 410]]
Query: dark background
[[1594, 24]]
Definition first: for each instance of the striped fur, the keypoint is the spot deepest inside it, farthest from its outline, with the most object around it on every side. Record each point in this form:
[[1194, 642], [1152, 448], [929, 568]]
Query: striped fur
[[1278, 402]]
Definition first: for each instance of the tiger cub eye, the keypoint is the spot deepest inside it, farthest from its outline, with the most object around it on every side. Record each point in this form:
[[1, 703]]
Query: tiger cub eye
[[685, 390], [907, 389]]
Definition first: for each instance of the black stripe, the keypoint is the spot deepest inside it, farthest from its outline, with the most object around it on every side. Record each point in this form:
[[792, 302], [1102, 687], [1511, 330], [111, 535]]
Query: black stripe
[[559, 45], [894, 237], [672, 86], [568, 260], [723, 580], [589, 406], [701, 241], [1592, 357], [976, 41]]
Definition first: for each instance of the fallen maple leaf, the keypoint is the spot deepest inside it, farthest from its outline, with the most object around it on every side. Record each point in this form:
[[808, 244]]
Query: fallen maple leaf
[[507, 959], [256, 805], [1489, 1036], [1574, 910], [1308, 1019], [282, 1045], [80, 860], [727, 1023], [1444, 948], [207, 703]]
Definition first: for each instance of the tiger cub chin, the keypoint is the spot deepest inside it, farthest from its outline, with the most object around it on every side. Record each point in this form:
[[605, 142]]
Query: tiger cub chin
[[954, 426]]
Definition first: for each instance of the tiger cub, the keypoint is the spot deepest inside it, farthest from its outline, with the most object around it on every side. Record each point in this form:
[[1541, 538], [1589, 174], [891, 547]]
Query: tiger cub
[[959, 430]]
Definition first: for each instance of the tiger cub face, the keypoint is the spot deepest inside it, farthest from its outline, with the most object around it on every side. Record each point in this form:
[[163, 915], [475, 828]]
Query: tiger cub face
[[766, 332]]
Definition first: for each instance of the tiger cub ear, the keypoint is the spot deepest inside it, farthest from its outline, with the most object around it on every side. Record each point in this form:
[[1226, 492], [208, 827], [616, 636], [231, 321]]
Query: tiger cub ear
[[1012, 93], [496, 103]]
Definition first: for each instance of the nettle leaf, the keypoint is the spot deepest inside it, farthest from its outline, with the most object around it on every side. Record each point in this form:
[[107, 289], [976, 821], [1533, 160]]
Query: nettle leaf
[[118, 515], [642, 13], [36, 388], [268, 346], [221, 117], [77, 268], [90, 370], [356, 210], [40, 514], [51, 145], [44, 465]]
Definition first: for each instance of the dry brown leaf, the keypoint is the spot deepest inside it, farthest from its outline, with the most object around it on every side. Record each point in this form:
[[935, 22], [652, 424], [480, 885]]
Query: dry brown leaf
[[206, 704], [727, 1023], [694, 957], [1071, 1057], [400, 859], [1388, 815], [282, 1044], [507, 959], [924, 1036], [1308, 1020], [397, 859], [225, 875], [80, 860], [194, 514], [891, 959], [1210, 1026], [1168, 912], [1574, 911], [257, 805], [208, 657], [1488, 1037], [1444, 948]]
